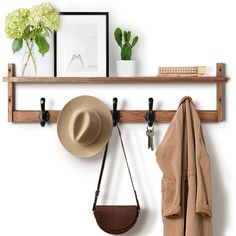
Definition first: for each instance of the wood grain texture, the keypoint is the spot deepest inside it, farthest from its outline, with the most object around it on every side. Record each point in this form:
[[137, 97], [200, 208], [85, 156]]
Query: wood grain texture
[[116, 80], [11, 70], [11, 92], [11, 101], [220, 71], [127, 116]]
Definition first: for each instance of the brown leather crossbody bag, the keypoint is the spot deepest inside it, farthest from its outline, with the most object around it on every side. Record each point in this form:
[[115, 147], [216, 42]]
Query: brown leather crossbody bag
[[115, 219]]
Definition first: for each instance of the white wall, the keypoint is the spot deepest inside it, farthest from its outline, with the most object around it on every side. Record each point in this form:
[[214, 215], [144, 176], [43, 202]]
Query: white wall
[[44, 190]]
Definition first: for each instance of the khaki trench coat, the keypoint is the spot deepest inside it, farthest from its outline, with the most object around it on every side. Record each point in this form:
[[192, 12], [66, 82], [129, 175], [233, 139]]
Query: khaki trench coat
[[186, 183]]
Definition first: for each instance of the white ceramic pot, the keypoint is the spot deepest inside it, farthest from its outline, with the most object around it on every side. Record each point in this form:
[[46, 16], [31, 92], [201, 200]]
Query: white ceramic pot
[[126, 68]]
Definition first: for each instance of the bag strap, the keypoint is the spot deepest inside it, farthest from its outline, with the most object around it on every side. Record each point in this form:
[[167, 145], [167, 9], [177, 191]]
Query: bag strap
[[102, 169], [100, 177]]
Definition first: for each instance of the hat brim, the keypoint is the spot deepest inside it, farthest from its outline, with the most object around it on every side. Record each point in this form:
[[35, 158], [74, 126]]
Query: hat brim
[[63, 123]]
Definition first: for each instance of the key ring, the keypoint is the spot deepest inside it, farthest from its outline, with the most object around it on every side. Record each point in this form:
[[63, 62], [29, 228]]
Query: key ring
[[151, 128]]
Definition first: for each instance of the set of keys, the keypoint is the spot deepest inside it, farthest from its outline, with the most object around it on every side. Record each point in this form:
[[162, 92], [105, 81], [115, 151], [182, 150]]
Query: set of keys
[[150, 118], [150, 135]]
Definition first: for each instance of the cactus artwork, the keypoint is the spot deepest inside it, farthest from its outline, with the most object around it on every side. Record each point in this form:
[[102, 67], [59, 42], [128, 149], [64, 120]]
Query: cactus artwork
[[125, 45]]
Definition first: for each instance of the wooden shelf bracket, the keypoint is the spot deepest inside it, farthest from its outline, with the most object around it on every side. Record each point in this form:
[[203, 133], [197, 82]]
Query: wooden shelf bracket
[[11, 93], [220, 90]]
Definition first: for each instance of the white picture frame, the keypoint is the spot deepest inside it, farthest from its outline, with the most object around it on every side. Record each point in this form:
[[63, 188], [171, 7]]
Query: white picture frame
[[81, 45]]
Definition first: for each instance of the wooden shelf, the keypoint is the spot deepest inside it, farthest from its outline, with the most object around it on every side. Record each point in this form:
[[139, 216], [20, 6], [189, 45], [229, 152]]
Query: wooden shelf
[[115, 80], [31, 116]]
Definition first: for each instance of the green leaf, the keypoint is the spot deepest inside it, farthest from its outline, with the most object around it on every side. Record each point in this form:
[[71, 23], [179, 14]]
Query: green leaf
[[17, 45], [135, 40], [118, 36], [42, 44], [125, 36], [128, 36]]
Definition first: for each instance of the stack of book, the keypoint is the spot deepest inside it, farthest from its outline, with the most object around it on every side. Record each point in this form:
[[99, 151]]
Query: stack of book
[[182, 71]]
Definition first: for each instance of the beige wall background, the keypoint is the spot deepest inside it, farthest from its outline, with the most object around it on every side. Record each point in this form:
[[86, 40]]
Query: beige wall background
[[44, 190]]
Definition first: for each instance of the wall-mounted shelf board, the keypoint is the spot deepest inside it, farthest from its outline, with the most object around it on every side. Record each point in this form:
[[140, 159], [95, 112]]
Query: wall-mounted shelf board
[[31, 116], [115, 80]]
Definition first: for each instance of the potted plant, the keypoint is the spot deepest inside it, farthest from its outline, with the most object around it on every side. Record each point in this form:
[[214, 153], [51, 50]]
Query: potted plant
[[126, 66]]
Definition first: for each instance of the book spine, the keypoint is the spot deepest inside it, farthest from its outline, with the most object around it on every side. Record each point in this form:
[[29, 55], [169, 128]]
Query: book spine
[[189, 70], [179, 75]]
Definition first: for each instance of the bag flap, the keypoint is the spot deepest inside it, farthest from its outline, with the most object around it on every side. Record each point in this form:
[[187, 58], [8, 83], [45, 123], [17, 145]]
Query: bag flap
[[116, 219]]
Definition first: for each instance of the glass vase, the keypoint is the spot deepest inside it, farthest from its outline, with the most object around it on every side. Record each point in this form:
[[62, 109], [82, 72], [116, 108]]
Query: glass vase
[[29, 66]]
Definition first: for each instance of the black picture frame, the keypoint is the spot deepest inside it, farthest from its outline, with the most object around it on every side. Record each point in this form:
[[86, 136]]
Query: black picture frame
[[106, 15]]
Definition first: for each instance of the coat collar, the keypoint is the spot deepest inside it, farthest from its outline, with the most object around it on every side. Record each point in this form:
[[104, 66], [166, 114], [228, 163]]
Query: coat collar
[[184, 99]]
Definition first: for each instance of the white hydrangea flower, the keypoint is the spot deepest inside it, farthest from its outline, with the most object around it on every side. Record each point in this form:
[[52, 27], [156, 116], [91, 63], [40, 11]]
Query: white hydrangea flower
[[16, 23], [44, 15]]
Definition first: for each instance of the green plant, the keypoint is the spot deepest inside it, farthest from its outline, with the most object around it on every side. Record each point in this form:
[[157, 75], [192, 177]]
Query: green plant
[[29, 26], [125, 45]]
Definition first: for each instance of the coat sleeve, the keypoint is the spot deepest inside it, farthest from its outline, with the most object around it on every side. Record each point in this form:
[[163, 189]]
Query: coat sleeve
[[203, 198], [169, 158]]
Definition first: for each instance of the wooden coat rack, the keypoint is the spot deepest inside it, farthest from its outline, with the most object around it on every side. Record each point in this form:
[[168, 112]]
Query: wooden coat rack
[[32, 116]]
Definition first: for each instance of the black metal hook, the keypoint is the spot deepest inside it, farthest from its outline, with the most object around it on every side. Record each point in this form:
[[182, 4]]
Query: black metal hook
[[115, 113], [44, 116], [150, 116]]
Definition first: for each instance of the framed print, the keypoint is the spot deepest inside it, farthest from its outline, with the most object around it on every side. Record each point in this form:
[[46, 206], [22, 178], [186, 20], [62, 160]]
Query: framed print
[[81, 45]]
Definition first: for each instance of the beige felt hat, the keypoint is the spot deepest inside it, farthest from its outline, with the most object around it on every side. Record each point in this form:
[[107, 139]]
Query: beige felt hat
[[84, 126]]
